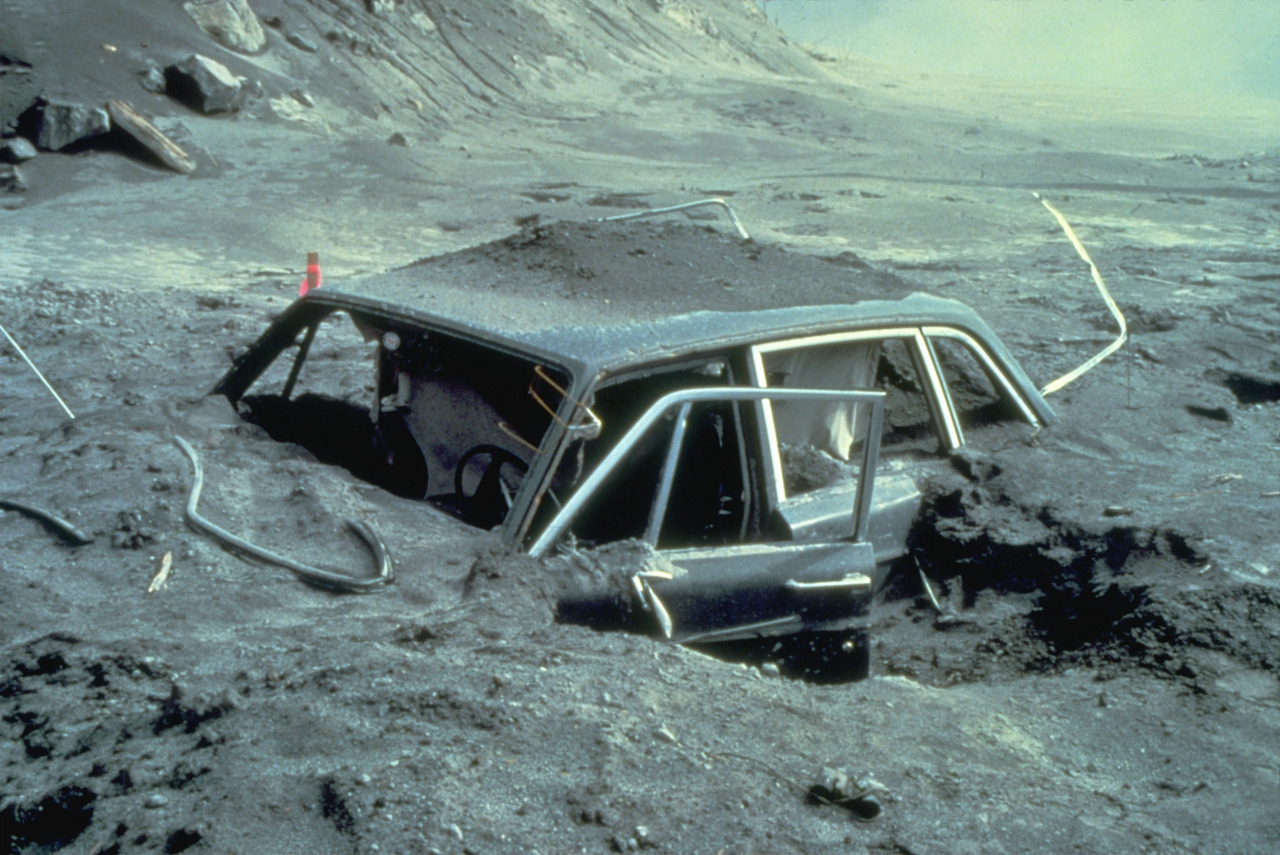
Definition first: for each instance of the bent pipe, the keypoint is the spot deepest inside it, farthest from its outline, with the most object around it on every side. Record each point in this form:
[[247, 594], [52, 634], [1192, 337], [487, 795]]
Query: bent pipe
[[670, 209], [56, 525], [310, 575]]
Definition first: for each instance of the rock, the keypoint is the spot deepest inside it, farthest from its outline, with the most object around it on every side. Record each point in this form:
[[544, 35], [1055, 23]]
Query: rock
[[16, 150], [156, 800], [231, 23], [63, 123], [168, 152], [398, 139], [836, 786], [153, 79], [11, 180], [302, 43], [204, 84]]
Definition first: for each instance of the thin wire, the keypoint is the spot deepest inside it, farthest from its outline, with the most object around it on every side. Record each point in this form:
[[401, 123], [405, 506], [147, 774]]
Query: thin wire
[[23, 354]]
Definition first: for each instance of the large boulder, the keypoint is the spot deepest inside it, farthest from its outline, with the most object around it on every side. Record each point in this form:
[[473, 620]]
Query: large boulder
[[63, 123], [204, 84], [229, 22]]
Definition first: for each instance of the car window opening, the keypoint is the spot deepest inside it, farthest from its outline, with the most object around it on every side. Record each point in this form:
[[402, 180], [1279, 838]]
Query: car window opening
[[424, 415], [978, 401], [708, 496]]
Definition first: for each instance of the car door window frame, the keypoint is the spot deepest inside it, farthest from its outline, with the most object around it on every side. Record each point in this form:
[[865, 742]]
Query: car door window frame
[[939, 400], [997, 376], [684, 399]]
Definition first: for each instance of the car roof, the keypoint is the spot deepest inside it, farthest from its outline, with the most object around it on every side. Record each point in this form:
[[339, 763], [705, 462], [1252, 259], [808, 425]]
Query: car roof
[[599, 298]]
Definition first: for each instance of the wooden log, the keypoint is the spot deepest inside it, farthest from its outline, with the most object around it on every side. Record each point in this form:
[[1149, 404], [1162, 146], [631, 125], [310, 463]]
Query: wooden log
[[124, 117]]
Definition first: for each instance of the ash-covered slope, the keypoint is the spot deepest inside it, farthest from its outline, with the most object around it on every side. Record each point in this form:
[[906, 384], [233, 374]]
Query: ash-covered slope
[[424, 61]]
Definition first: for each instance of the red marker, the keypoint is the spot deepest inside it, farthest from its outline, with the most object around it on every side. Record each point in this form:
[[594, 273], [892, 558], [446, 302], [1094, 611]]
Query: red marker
[[313, 274]]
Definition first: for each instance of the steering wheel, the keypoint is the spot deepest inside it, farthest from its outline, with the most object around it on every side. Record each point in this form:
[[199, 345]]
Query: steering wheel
[[487, 506]]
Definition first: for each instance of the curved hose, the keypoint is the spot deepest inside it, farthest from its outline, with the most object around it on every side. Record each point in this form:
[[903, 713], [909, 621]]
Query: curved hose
[[57, 525], [310, 575]]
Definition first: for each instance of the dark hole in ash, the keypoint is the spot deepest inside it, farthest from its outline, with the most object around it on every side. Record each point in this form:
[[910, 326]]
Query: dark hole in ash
[[52, 824], [822, 658], [181, 840], [340, 433], [1252, 388]]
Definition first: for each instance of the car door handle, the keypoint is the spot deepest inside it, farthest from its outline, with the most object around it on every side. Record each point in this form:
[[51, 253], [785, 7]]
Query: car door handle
[[853, 580]]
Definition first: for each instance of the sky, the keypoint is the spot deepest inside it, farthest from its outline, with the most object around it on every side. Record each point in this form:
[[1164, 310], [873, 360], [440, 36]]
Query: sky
[[1229, 46]]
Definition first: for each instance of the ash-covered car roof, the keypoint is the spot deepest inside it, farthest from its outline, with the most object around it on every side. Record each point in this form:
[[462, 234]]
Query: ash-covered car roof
[[602, 295]]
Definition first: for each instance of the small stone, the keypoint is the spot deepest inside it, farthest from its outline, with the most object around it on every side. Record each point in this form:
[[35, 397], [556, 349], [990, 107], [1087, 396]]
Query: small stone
[[665, 735], [365, 779], [152, 80], [302, 97], [11, 180], [156, 800], [1117, 511], [399, 139], [301, 42], [16, 150], [771, 669], [456, 831]]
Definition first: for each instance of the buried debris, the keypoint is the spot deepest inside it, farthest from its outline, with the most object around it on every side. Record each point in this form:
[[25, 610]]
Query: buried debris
[[56, 525], [311, 575], [1106, 296], [840, 788], [128, 120], [161, 580]]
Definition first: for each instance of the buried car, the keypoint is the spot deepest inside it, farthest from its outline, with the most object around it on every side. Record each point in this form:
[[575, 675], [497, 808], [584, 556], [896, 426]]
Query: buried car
[[769, 460]]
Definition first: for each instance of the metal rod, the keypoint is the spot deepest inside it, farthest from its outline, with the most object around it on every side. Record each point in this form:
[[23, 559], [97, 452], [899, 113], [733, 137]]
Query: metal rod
[[652, 212], [928, 589], [315, 576], [27, 359], [296, 368], [659, 512], [1106, 295], [55, 524]]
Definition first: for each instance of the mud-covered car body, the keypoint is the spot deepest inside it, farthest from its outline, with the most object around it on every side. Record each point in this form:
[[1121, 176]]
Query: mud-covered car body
[[743, 447]]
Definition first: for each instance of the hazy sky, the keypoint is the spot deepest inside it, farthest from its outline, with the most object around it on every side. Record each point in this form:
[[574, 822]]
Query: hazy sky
[[1204, 45]]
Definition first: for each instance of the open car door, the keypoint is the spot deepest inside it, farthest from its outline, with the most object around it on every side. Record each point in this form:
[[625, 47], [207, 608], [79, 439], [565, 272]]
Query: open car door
[[730, 591]]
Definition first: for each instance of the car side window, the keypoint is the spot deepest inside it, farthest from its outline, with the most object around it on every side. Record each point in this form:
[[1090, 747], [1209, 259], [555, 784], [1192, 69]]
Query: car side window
[[708, 499], [818, 442], [979, 393]]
